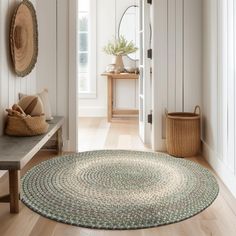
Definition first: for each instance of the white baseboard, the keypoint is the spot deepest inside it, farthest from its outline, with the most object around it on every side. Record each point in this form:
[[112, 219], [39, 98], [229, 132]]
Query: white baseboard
[[92, 111], [66, 146], [220, 168]]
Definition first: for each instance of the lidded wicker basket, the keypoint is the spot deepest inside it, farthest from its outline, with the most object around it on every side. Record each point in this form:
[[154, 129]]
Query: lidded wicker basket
[[183, 133]]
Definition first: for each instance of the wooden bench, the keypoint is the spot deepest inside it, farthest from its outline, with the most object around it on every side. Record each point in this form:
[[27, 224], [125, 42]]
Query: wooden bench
[[16, 152]]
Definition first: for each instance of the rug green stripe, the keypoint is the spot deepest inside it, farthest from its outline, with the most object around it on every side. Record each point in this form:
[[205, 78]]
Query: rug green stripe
[[117, 189]]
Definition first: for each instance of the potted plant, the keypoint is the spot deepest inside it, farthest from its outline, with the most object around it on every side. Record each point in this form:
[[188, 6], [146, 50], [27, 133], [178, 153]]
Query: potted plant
[[120, 47]]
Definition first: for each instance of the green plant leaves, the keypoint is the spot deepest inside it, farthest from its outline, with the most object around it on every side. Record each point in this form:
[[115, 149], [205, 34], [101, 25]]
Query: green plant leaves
[[120, 47]]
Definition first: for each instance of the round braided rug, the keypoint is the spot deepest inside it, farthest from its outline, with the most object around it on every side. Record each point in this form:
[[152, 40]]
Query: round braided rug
[[118, 189]]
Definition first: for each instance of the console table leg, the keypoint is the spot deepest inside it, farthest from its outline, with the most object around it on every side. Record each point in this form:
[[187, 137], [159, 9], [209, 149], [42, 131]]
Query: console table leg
[[110, 99], [59, 141], [14, 190]]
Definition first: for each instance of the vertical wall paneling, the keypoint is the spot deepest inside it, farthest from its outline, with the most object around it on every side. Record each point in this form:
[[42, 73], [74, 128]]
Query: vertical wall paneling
[[163, 52], [175, 54], [73, 83], [62, 60], [11, 76], [54, 60], [47, 60], [231, 91], [18, 80], [171, 55], [223, 85], [219, 88], [210, 60], [3, 60], [192, 53], [10, 84], [177, 67], [179, 54], [160, 62], [234, 29]]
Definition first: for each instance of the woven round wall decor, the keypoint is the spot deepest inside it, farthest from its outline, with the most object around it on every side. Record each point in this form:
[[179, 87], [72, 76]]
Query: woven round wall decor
[[24, 38]]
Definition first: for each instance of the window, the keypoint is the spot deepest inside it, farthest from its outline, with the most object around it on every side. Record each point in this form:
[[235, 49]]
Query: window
[[87, 48]]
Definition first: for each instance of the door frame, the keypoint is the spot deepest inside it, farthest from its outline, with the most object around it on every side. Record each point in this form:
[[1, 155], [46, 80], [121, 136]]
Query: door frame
[[73, 74], [145, 77], [159, 66], [157, 141]]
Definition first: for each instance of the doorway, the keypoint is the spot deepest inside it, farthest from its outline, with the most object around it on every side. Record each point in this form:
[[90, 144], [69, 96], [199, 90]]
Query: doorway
[[97, 26]]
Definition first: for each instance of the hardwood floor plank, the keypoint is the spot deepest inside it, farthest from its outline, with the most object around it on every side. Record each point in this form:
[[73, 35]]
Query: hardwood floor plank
[[65, 230], [43, 227], [21, 224]]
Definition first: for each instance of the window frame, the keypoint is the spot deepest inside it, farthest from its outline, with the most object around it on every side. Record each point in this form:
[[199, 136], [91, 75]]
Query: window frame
[[92, 53]]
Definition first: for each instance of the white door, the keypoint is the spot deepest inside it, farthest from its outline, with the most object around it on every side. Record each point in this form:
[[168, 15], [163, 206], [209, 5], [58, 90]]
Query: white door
[[145, 81]]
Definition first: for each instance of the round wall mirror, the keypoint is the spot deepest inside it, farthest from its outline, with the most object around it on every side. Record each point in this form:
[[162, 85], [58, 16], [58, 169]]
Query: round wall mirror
[[129, 28]]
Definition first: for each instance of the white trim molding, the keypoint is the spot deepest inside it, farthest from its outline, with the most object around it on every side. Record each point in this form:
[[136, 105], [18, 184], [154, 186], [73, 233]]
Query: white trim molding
[[73, 74], [221, 169]]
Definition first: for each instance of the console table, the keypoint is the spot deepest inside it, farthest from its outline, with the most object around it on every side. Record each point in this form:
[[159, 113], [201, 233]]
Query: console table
[[110, 81]]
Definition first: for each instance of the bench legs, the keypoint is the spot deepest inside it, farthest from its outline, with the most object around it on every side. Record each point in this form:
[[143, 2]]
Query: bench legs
[[59, 141], [14, 180], [14, 190]]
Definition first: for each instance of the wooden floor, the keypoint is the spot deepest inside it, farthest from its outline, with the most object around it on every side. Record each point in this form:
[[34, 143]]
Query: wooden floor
[[218, 220], [96, 133]]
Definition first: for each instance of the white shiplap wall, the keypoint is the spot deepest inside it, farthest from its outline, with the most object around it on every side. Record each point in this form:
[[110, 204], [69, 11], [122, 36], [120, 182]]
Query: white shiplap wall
[[177, 66], [53, 61], [10, 84], [219, 88]]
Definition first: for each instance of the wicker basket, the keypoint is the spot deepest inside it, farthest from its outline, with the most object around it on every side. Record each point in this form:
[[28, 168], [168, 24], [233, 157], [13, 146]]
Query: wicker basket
[[26, 126], [183, 133]]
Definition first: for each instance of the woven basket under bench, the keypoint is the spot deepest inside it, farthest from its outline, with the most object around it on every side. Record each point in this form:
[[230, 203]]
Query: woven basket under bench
[[183, 135]]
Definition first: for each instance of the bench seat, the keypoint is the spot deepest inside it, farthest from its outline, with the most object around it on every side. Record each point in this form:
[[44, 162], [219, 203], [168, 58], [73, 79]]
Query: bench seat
[[16, 152]]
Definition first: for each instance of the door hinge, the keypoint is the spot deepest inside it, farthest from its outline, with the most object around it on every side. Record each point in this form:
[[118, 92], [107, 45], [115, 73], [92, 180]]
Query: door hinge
[[150, 118], [149, 2], [149, 53]]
